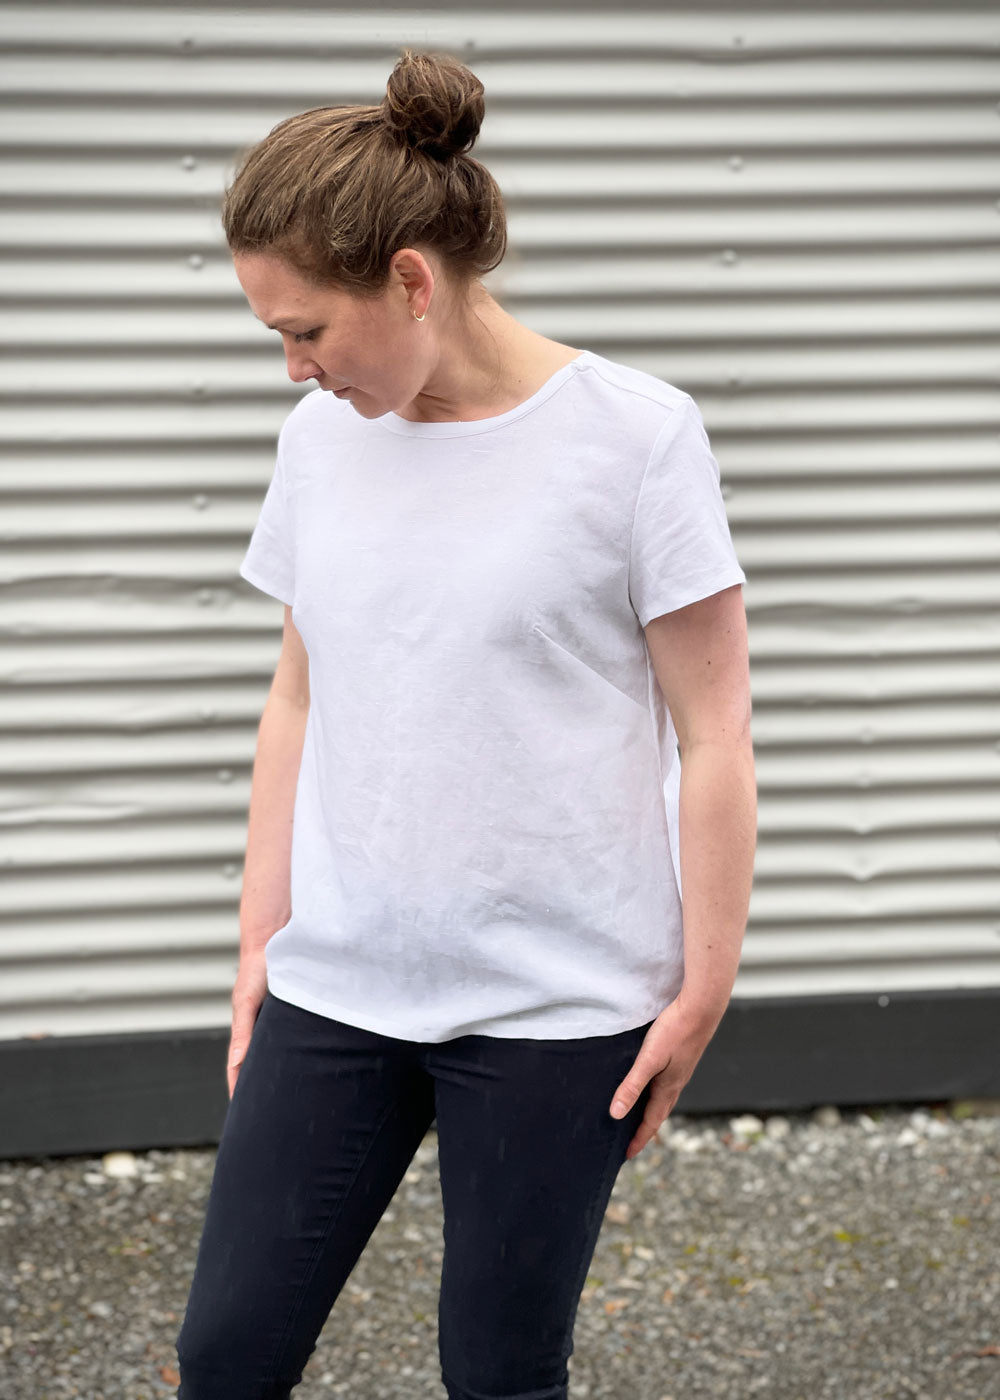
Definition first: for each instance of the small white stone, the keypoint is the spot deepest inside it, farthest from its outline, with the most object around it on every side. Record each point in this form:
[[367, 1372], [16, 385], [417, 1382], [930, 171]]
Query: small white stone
[[827, 1116], [746, 1124], [119, 1164], [777, 1127]]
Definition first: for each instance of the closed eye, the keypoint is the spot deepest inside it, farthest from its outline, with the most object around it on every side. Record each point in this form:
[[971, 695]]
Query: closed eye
[[300, 336]]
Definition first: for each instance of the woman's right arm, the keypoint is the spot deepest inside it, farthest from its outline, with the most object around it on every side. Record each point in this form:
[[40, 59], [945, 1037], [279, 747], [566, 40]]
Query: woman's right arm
[[265, 904]]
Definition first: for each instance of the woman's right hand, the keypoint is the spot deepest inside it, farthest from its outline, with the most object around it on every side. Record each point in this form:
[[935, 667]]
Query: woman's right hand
[[248, 992]]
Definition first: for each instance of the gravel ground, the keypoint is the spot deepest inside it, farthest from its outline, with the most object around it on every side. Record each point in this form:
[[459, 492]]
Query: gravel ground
[[851, 1255]]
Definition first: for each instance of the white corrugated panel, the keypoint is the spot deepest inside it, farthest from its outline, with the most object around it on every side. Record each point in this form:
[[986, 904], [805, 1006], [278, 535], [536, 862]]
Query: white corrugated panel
[[792, 215]]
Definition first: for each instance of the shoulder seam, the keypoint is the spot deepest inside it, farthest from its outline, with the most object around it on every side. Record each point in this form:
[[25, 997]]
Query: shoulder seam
[[634, 389]]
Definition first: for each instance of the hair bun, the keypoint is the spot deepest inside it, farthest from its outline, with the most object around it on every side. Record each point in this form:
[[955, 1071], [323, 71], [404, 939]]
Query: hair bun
[[434, 103]]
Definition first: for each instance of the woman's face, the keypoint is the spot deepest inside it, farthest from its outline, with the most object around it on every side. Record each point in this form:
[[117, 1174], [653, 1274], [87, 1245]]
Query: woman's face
[[367, 349]]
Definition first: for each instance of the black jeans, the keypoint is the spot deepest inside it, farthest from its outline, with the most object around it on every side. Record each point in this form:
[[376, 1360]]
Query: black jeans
[[322, 1125]]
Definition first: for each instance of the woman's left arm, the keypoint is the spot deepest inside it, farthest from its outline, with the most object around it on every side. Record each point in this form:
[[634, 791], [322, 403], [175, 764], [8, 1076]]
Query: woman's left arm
[[701, 659]]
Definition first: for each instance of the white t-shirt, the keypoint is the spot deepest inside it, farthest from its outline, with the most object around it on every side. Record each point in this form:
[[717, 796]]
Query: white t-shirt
[[485, 823]]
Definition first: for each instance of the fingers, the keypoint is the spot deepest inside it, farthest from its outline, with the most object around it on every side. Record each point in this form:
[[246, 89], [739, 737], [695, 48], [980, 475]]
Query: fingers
[[627, 1094], [637, 1144], [248, 995], [238, 1045], [659, 1106], [232, 1071], [647, 1130]]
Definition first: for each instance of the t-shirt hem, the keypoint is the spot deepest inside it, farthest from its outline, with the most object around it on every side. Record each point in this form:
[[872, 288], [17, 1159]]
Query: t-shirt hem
[[289, 991]]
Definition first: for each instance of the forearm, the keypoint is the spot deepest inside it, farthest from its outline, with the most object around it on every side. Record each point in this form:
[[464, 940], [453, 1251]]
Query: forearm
[[265, 904], [718, 838]]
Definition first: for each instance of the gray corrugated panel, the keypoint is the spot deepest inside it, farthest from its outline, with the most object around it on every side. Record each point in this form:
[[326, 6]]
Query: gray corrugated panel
[[792, 215], [573, 130], [771, 80], [304, 29], [160, 277]]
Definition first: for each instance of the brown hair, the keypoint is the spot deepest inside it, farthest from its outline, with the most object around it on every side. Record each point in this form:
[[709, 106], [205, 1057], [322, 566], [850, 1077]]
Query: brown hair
[[335, 191]]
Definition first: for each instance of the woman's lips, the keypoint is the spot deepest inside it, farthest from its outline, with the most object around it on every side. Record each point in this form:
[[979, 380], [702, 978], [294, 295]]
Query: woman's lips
[[346, 390]]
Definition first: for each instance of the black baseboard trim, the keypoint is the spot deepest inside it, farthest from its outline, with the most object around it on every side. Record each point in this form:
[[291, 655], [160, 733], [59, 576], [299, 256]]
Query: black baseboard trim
[[76, 1095]]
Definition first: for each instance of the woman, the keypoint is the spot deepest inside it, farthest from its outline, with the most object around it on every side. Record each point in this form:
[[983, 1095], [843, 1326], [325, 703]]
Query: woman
[[509, 586]]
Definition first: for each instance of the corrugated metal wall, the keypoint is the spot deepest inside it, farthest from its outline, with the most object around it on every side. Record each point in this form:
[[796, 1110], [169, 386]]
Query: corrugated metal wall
[[792, 215]]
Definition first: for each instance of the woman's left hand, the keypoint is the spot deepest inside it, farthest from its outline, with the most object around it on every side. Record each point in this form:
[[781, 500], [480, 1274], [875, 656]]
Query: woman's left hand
[[669, 1053]]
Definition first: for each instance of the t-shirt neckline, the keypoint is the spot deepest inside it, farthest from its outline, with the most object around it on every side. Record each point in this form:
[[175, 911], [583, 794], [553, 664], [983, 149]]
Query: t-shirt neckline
[[407, 428]]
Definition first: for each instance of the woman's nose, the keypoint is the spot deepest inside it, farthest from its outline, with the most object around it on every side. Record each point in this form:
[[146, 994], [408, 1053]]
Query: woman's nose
[[300, 367]]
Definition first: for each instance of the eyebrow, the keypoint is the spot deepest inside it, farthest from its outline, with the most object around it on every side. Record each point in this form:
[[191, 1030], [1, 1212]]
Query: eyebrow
[[278, 328]]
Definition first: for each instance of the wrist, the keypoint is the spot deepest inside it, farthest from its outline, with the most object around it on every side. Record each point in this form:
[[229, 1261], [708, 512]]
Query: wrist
[[254, 938], [700, 1013]]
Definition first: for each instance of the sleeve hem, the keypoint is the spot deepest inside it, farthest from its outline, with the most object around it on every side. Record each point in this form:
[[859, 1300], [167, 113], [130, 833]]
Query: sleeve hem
[[705, 589], [266, 585]]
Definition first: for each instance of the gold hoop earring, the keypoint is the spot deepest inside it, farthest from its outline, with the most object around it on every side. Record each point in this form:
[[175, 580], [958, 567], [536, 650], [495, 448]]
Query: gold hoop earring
[[418, 318]]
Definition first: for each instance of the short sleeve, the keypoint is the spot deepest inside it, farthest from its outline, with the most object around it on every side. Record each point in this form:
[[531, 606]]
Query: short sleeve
[[269, 563], [681, 546]]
